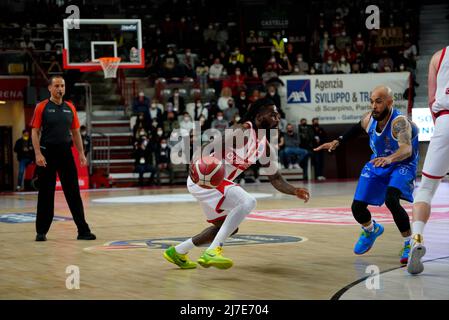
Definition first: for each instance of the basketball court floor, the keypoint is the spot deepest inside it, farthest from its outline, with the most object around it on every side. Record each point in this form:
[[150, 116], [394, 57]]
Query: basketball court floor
[[285, 250]]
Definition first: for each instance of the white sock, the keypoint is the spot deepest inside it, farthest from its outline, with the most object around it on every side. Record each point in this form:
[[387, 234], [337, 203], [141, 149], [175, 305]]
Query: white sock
[[418, 227], [185, 246], [234, 218], [370, 227]]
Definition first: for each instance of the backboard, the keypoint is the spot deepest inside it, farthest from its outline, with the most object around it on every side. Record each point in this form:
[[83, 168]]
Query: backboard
[[86, 40]]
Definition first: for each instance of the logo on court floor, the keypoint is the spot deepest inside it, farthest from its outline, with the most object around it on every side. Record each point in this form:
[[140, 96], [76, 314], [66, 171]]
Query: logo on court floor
[[165, 243], [26, 218], [336, 216]]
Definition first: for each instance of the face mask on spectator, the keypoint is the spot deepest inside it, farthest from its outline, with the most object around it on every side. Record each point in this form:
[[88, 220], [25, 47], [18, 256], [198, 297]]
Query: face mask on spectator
[[155, 124], [255, 74], [312, 71], [401, 67], [343, 34], [153, 106], [163, 145], [299, 59], [176, 94], [296, 69], [237, 118], [142, 133], [159, 133], [237, 72], [329, 61], [186, 119], [343, 60], [219, 118]]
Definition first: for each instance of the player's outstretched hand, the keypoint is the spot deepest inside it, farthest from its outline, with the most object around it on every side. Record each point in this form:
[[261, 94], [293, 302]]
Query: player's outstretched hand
[[329, 146], [302, 193], [381, 162]]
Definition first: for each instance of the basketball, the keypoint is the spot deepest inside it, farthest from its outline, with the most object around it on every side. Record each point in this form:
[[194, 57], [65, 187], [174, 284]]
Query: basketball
[[207, 172]]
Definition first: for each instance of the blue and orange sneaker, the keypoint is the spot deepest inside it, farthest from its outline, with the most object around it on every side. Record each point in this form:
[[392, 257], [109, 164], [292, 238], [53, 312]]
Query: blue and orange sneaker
[[366, 239], [405, 252]]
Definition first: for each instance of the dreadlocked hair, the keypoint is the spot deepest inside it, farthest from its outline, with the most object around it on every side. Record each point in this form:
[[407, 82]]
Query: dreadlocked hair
[[255, 108]]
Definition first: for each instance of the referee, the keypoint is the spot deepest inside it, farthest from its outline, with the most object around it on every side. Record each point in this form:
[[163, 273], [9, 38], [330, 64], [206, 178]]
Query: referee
[[55, 124]]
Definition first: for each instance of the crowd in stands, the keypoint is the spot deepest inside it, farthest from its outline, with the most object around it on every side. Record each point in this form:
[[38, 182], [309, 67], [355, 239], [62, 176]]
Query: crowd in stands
[[204, 41]]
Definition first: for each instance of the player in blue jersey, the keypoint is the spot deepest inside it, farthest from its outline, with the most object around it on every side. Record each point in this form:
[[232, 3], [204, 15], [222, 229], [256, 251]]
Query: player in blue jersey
[[390, 174]]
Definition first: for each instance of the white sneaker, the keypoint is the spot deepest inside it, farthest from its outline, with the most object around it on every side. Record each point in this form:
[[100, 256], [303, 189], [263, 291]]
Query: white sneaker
[[321, 178], [296, 166], [290, 166], [417, 251]]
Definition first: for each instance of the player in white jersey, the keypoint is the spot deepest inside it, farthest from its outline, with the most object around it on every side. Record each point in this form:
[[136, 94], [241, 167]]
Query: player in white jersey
[[436, 164], [227, 205]]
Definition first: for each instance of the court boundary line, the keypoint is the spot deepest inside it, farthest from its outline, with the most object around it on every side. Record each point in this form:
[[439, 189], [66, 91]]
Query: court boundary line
[[343, 290]]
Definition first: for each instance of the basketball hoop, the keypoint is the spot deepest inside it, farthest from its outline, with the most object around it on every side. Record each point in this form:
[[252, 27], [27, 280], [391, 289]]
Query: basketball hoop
[[110, 66]]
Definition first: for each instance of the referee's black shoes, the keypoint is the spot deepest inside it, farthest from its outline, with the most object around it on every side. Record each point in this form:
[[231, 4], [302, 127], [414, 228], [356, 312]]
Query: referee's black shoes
[[86, 236], [41, 237]]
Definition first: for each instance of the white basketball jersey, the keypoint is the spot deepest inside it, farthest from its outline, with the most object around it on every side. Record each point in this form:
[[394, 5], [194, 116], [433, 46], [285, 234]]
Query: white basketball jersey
[[238, 160], [442, 93]]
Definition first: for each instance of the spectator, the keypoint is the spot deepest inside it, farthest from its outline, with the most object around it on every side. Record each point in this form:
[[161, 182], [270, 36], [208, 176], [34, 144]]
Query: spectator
[[188, 62], [349, 54], [235, 120], [272, 93], [202, 73], [342, 40], [216, 74], [331, 53], [242, 103], [25, 156], [303, 67], [306, 134], [344, 66], [318, 157], [222, 38], [220, 123], [171, 123], [162, 155], [200, 110], [155, 112], [359, 43], [231, 111], [177, 101], [141, 104], [278, 43], [236, 82], [254, 81], [143, 160], [209, 36], [385, 63], [226, 94], [293, 149], [269, 74], [324, 44], [328, 66], [186, 124]]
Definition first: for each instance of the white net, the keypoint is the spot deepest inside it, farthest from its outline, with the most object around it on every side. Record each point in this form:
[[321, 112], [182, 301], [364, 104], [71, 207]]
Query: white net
[[110, 66]]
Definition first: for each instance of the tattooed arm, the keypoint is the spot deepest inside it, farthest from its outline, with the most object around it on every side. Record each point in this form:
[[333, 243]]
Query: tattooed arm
[[402, 131]]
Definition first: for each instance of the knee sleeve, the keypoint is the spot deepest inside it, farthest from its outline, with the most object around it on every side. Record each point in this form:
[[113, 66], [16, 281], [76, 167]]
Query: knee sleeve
[[400, 216], [426, 190], [360, 211]]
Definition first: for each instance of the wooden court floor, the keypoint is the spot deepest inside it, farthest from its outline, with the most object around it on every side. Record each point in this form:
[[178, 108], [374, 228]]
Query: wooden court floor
[[286, 250]]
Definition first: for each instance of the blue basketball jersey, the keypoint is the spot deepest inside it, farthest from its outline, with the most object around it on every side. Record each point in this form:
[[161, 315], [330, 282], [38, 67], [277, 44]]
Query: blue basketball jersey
[[384, 143], [374, 181]]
